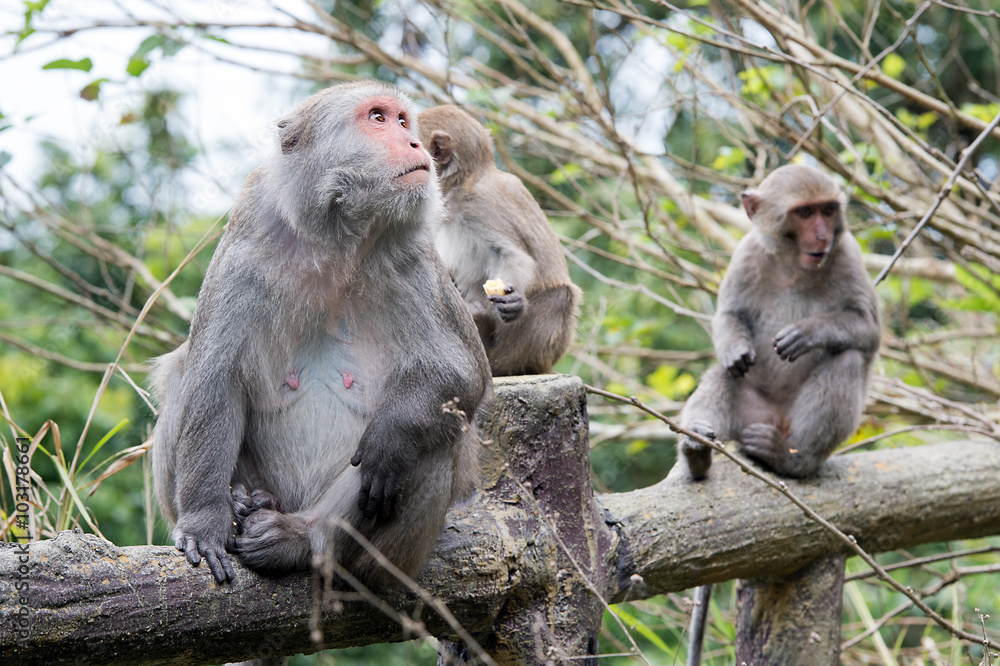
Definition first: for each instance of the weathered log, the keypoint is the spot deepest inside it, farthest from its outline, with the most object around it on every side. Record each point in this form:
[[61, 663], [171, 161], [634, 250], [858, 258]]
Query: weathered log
[[794, 620], [678, 534], [87, 600]]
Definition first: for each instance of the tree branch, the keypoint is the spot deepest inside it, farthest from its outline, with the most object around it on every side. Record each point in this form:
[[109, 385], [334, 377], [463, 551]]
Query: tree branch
[[147, 605]]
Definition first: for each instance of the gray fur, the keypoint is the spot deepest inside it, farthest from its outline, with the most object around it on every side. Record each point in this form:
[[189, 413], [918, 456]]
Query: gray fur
[[795, 347], [826, 322], [326, 329]]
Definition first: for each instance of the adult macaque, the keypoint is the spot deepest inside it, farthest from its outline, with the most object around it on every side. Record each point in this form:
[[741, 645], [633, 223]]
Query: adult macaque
[[327, 338], [795, 331], [495, 231]]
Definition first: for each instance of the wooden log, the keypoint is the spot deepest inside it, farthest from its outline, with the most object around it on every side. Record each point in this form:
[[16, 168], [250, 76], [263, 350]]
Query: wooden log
[[792, 620]]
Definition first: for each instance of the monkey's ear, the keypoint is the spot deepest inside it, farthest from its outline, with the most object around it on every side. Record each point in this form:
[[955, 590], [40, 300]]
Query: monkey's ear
[[440, 148], [751, 202], [290, 129]]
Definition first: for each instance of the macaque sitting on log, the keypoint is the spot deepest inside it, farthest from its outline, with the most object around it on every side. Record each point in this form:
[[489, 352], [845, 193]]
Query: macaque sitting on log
[[500, 250], [332, 368], [796, 331]]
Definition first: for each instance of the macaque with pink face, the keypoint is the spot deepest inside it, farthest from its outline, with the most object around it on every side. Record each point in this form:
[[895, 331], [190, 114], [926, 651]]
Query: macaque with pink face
[[327, 338], [796, 331]]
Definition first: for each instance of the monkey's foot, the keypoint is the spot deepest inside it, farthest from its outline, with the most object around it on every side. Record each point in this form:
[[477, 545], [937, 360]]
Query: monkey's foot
[[246, 503], [697, 454], [767, 444], [273, 541]]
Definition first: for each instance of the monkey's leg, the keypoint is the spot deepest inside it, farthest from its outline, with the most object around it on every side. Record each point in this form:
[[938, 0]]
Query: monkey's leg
[[709, 412], [826, 411]]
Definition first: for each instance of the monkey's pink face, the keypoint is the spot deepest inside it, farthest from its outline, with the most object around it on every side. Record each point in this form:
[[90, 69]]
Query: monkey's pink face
[[387, 121], [814, 226]]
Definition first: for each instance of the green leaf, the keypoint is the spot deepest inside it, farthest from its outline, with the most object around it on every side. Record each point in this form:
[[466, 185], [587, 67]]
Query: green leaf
[[640, 626], [893, 65], [671, 382], [925, 120], [136, 66], [104, 440], [92, 90], [83, 65], [171, 46], [566, 173], [728, 159], [31, 9], [985, 112], [60, 464], [148, 45]]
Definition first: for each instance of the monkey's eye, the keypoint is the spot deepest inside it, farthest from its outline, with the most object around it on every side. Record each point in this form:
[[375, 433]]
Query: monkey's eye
[[376, 115], [804, 211], [830, 208], [403, 122]]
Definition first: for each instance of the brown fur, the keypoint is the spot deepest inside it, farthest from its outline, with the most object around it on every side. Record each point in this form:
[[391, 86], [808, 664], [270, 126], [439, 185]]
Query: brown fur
[[495, 229]]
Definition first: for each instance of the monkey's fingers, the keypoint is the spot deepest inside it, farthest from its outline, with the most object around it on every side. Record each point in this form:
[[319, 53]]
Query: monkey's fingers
[[189, 546], [510, 305], [242, 504], [791, 347], [761, 441], [370, 496], [703, 428], [738, 359], [221, 567], [738, 368]]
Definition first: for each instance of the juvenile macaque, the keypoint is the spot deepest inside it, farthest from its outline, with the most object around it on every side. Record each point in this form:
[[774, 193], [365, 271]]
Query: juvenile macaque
[[494, 230], [327, 338], [795, 332]]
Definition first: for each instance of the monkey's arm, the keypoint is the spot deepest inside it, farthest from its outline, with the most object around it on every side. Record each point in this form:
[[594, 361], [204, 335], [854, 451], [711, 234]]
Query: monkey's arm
[[205, 456], [850, 328], [517, 269], [851, 323], [410, 423], [211, 411], [731, 334]]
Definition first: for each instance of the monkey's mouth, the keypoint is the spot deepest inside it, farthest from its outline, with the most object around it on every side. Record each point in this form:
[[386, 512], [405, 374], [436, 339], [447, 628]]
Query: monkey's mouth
[[814, 258], [419, 167]]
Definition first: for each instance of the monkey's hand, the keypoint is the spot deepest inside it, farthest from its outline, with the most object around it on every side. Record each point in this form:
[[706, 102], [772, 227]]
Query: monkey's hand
[[510, 304], [385, 467], [795, 340], [738, 357], [196, 537]]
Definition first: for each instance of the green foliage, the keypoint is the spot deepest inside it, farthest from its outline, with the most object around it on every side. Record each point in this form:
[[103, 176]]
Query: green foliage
[[712, 119], [84, 64]]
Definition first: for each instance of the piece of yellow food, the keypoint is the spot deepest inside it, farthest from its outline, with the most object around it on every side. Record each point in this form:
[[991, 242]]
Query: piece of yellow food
[[494, 287]]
